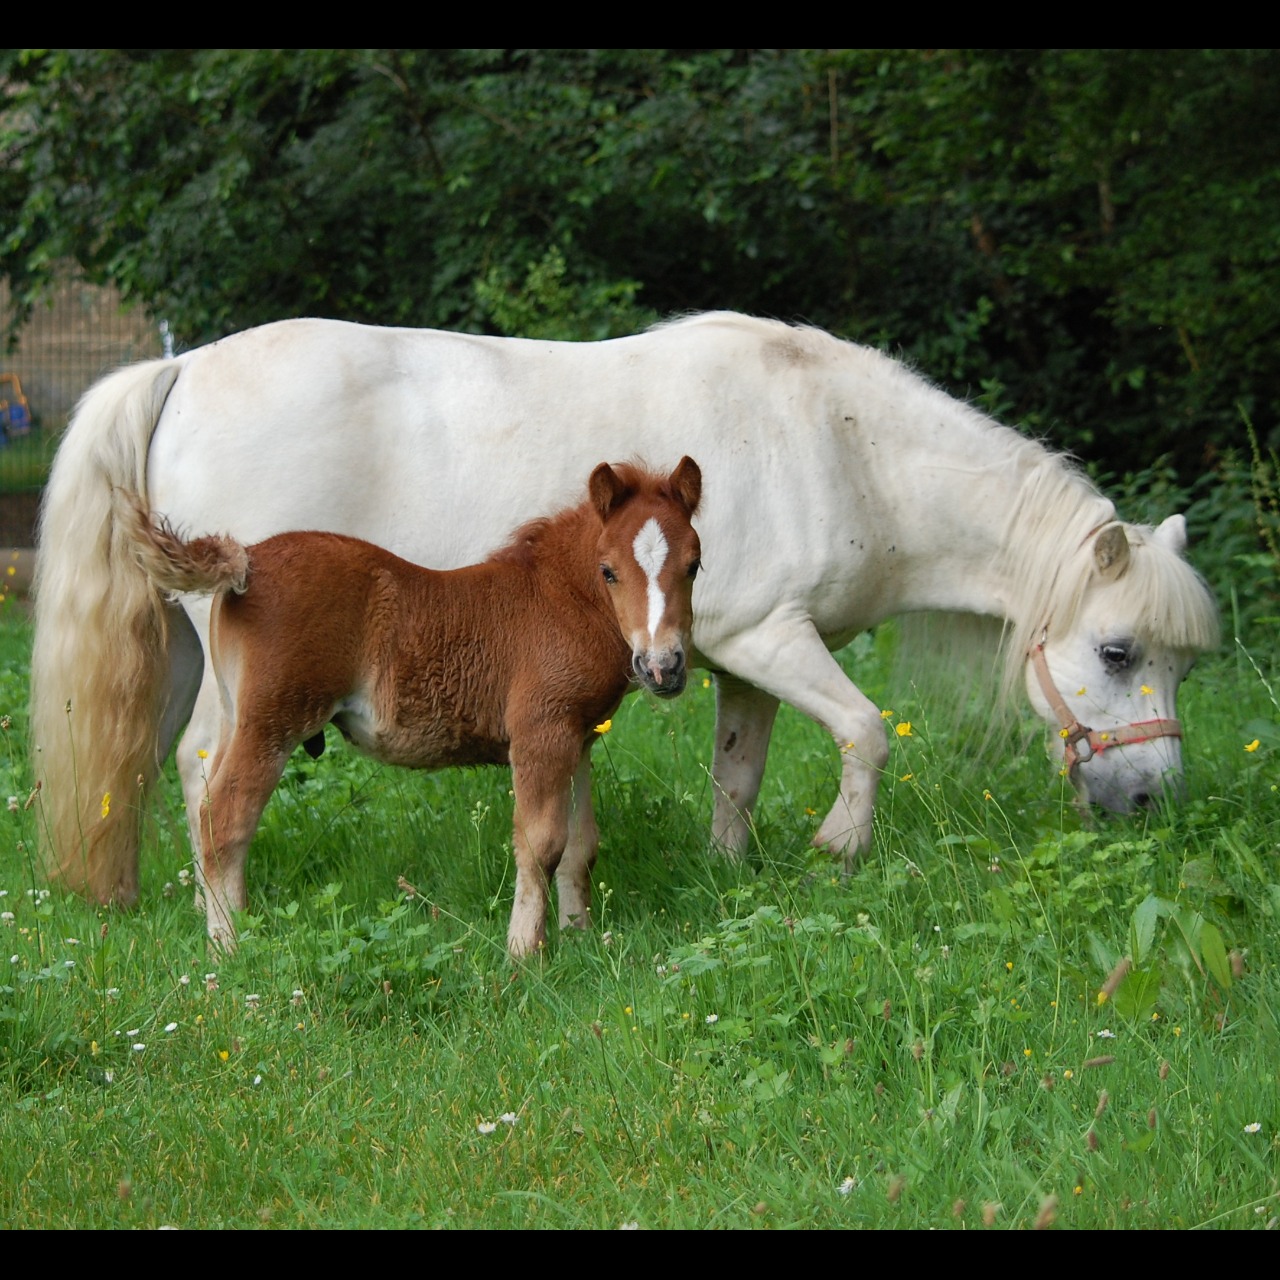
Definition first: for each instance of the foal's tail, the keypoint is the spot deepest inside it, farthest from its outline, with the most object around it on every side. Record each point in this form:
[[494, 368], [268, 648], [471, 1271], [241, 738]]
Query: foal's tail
[[99, 666], [200, 566]]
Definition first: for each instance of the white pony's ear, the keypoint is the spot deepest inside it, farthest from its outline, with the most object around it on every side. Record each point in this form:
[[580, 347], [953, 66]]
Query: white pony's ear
[[1111, 551], [1173, 534]]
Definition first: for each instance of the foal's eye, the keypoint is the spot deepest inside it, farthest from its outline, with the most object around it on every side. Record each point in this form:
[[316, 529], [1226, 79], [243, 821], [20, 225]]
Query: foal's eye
[[1117, 654], [694, 567], [608, 574]]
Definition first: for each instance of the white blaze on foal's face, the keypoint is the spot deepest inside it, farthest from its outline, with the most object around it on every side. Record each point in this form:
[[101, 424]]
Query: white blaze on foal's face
[[650, 550]]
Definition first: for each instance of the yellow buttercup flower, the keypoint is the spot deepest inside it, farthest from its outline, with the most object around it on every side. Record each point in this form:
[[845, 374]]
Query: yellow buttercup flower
[[886, 714], [202, 754], [903, 729], [1147, 689], [604, 727], [1251, 746], [106, 803]]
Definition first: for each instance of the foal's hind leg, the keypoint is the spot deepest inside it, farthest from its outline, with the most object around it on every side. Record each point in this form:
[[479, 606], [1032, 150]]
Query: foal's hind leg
[[542, 785], [573, 875], [241, 785]]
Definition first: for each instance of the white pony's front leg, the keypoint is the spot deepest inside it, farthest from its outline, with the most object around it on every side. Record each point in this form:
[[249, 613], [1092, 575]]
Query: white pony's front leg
[[573, 875], [744, 722], [787, 659]]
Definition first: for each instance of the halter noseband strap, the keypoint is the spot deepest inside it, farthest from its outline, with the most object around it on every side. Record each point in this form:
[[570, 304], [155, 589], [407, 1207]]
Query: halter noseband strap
[[1083, 743]]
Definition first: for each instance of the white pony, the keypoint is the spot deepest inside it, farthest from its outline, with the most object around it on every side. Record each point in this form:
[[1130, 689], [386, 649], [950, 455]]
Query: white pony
[[839, 489]]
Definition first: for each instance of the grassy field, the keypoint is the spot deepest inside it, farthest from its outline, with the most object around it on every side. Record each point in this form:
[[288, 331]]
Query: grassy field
[[933, 1042]]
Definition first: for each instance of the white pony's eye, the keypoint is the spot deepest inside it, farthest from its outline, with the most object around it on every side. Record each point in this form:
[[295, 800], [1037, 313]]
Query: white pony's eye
[[1116, 654]]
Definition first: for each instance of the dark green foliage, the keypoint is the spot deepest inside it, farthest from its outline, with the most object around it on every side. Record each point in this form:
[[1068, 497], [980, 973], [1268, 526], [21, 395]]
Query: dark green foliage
[[1081, 240]]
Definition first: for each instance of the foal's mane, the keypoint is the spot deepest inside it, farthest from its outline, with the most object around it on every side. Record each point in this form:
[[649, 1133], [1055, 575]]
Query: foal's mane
[[534, 538]]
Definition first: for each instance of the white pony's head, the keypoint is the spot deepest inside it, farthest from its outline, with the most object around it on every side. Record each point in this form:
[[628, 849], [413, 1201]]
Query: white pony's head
[[1127, 617]]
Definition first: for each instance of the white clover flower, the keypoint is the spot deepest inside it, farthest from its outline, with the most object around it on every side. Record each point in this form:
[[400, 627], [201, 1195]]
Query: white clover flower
[[184, 878], [845, 1187], [508, 1117], [14, 804], [712, 1017], [13, 959], [257, 1080], [138, 1048], [1252, 1128], [113, 993], [135, 1032], [185, 980], [629, 1226], [486, 1126], [6, 916], [68, 964], [1105, 1034], [252, 1001], [72, 942], [170, 1026]]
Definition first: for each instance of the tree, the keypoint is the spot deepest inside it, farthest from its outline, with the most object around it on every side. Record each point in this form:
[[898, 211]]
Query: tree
[[1081, 240]]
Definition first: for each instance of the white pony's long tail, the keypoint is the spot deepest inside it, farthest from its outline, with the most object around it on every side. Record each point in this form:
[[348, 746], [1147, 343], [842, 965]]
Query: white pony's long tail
[[98, 669]]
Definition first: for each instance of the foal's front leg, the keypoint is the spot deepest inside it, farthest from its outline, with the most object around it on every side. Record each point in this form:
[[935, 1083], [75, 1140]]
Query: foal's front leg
[[542, 785], [242, 782], [573, 875]]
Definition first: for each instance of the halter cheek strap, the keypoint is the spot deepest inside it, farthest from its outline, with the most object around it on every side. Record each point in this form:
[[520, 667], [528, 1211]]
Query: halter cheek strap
[[1083, 743]]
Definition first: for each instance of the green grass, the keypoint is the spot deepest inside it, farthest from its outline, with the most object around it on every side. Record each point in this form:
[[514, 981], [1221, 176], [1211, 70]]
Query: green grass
[[755, 1045], [25, 461]]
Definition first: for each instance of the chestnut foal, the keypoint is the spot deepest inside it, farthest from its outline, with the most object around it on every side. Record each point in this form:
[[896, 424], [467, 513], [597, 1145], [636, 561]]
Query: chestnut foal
[[514, 660]]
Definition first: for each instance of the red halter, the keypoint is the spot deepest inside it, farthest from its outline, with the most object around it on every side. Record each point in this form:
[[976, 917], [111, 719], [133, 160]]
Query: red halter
[[1077, 735]]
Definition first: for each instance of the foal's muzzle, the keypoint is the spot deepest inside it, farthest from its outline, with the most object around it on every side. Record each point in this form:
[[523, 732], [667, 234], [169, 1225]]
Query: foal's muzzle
[[661, 673]]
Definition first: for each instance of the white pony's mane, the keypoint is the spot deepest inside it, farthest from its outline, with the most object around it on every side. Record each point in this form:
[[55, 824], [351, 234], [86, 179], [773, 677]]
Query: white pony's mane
[[1049, 559], [1048, 539]]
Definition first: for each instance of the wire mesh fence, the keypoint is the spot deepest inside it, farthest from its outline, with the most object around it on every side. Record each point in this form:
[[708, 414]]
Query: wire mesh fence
[[66, 345]]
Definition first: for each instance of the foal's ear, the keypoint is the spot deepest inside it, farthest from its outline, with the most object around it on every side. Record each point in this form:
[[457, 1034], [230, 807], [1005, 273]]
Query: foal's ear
[[606, 489], [686, 483], [1111, 551]]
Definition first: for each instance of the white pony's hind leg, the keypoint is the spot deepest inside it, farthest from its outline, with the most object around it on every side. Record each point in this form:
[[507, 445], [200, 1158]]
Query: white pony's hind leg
[[573, 875], [197, 751], [195, 769], [788, 660], [744, 722]]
